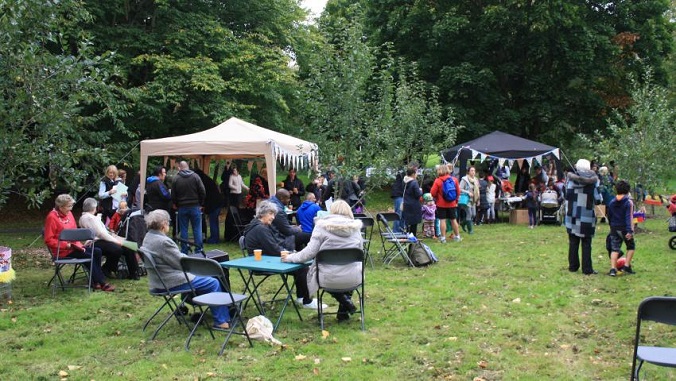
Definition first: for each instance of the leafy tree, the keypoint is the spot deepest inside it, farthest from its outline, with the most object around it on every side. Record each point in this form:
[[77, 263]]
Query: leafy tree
[[641, 140], [367, 114], [193, 64], [60, 107], [538, 69]]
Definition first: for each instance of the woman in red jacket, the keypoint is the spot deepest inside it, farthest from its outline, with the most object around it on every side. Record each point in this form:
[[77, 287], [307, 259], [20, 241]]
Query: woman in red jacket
[[446, 209], [61, 217]]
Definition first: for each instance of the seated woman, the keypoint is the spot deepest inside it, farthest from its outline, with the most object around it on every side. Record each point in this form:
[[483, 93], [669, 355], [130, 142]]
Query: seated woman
[[259, 234], [167, 256], [338, 230], [60, 218], [111, 246]]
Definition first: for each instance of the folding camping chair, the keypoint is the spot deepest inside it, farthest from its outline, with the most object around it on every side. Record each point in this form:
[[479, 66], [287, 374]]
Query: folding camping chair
[[82, 267], [658, 309], [177, 308], [209, 268], [237, 220], [331, 259], [394, 244]]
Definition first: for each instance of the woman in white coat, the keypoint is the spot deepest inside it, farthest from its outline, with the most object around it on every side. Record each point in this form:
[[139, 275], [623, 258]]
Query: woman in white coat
[[338, 230]]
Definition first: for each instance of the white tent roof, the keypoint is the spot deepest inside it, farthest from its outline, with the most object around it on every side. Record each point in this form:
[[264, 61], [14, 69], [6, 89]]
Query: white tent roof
[[231, 139]]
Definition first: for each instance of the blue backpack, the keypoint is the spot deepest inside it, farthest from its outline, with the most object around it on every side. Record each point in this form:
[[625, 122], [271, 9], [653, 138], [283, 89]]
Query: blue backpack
[[449, 191]]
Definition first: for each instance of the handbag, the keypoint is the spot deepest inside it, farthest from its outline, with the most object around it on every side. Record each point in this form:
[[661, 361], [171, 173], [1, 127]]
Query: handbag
[[464, 199]]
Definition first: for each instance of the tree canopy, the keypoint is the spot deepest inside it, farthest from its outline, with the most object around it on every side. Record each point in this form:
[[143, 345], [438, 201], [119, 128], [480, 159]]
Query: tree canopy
[[377, 83]]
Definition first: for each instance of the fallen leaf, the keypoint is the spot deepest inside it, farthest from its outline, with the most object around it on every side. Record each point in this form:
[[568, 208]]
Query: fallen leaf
[[317, 361], [453, 338], [165, 366], [14, 320], [517, 300], [325, 334], [63, 373], [300, 357], [483, 364], [315, 371], [211, 374], [74, 367], [346, 359]]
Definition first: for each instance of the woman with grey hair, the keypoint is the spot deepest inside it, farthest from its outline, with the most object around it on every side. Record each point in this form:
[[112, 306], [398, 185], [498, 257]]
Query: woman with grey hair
[[259, 234], [167, 257], [60, 218], [111, 245]]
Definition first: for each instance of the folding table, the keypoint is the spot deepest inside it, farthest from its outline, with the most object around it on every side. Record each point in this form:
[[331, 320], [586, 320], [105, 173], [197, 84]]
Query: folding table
[[268, 264]]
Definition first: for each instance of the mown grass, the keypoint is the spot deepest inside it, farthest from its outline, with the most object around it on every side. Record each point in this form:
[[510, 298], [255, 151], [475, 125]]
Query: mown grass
[[500, 305]]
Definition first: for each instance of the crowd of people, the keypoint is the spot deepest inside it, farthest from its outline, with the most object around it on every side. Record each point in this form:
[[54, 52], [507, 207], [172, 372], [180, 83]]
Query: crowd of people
[[324, 211]]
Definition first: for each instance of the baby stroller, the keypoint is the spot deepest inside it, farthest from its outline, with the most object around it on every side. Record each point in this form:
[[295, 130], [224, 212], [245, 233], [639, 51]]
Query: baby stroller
[[132, 228], [550, 210]]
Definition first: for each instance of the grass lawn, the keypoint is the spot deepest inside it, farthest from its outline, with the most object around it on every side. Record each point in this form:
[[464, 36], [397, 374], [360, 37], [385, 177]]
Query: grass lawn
[[500, 305]]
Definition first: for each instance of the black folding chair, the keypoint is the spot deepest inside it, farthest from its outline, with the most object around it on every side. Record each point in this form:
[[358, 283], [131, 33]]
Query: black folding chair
[[367, 234], [82, 267], [209, 268], [237, 220], [177, 307], [394, 244], [659, 309], [333, 258]]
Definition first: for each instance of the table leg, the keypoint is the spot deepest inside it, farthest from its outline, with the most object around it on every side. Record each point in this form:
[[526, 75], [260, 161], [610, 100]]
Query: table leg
[[251, 288], [289, 297]]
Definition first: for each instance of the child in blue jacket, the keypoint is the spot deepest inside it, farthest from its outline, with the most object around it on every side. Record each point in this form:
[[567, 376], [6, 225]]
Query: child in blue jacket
[[620, 214]]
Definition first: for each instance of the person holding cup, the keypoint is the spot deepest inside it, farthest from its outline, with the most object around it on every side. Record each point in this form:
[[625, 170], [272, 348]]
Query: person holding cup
[[338, 230], [261, 235]]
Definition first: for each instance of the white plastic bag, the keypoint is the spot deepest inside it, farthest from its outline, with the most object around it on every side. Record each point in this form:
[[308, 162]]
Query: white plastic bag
[[260, 328]]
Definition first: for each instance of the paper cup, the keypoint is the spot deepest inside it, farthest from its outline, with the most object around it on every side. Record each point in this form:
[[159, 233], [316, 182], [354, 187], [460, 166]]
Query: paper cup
[[258, 254]]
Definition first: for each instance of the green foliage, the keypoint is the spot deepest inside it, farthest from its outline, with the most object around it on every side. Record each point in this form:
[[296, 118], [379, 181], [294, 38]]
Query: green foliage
[[370, 114], [641, 140], [541, 69], [54, 88]]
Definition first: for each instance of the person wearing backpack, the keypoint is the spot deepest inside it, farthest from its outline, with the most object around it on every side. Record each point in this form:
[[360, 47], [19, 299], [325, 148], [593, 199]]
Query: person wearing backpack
[[443, 191]]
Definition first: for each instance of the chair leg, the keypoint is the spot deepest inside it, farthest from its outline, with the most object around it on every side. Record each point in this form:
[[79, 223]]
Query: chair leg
[[320, 310]]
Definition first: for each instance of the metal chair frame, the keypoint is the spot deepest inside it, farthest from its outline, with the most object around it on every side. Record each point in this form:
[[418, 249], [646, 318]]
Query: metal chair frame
[[80, 270], [659, 309], [398, 241], [340, 257], [209, 268]]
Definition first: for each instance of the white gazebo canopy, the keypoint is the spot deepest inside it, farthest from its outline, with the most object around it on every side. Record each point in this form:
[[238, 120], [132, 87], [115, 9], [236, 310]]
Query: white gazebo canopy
[[233, 139]]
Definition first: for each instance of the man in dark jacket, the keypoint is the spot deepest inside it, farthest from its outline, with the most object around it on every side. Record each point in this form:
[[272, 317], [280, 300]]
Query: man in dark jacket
[[157, 194], [397, 195], [212, 205], [292, 236], [295, 187], [188, 194]]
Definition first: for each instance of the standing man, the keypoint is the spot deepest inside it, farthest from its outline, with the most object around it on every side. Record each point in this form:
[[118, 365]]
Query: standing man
[[188, 195], [212, 206], [295, 188], [581, 195]]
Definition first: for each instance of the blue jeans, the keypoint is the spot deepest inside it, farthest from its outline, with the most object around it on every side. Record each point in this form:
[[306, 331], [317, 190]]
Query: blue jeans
[[193, 215], [214, 229], [204, 285], [398, 226]]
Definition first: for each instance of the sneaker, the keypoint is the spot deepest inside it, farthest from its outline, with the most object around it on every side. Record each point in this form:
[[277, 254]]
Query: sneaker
[[299, 301], [313, 305], [628, 270], [442, 240], [457, 238], [612, 272]]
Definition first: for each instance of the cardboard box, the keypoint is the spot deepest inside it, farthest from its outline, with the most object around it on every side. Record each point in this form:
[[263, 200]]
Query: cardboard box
[[518, 216]]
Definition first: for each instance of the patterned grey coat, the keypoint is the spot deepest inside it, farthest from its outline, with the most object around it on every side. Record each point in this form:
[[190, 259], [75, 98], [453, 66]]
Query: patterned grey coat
[[581, 195]]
